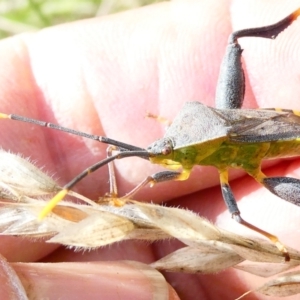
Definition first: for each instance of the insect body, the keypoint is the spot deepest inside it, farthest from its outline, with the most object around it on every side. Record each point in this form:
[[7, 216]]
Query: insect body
[[238, 138], [224, 137]]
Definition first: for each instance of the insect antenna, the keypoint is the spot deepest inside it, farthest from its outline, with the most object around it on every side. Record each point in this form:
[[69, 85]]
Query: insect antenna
[[122, 146], [65, 189], [124, 150]]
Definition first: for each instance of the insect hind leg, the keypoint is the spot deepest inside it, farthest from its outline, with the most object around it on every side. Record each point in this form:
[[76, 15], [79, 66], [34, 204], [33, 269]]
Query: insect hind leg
[[287, 188], [236, 215]]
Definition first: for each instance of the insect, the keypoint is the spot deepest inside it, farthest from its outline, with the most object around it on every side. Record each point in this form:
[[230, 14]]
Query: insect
[[224, 137]]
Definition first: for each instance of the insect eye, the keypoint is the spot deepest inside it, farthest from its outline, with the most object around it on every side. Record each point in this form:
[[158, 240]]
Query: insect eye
[[166, 150]]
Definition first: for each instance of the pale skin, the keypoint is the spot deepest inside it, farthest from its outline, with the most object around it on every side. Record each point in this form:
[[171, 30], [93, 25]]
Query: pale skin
[[102, 76]]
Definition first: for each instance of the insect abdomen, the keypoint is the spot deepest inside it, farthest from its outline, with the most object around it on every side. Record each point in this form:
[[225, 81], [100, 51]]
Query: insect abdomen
[[281, 149]]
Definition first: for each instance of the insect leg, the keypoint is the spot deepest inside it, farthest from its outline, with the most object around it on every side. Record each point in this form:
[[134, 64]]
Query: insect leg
[[112, 196], [156, 178], [113, 187], [231, 83], [287, 188], [160, 119], [236, 215]]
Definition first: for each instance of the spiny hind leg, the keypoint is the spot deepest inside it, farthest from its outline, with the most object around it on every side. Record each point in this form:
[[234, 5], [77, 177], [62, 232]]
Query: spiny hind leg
[[287, 188], [236, 215]]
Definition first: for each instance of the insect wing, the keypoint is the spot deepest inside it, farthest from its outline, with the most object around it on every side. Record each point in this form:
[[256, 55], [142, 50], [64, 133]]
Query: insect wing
[[257, 126]]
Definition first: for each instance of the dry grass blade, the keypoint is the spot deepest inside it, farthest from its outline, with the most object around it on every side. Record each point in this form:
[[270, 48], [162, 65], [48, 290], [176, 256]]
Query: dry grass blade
[[98, 229], [179, 223], [207, 253], [20, 178], [21, 219], [284, 285], [208, 249], [195, 260], [263, 269]]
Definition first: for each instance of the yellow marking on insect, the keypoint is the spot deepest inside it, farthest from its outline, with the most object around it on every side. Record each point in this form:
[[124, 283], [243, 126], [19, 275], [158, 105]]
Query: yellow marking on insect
[[160, 119], [259, 176], [151, 183], [53, 202], [184, 175], [4, 116], [296, 112], [295, 14], [271, 237], [223, 176], [117, 202], [283, 110]]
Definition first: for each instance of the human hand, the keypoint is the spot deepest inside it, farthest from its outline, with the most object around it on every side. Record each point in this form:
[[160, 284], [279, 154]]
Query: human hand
[[103, 75]]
